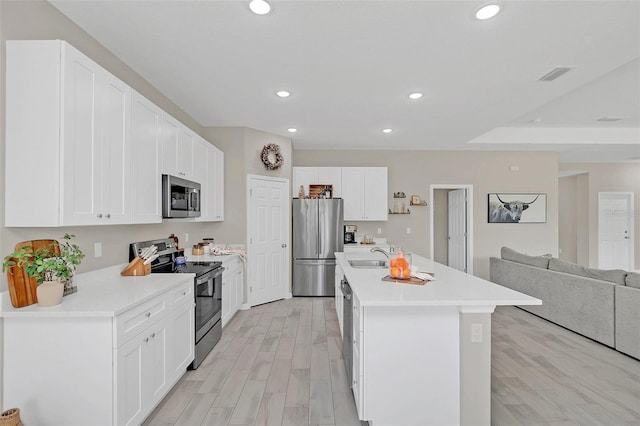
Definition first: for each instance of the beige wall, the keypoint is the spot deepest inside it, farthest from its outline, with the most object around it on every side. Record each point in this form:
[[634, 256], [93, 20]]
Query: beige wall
[[613, 177], [567, 224], [413, 171]]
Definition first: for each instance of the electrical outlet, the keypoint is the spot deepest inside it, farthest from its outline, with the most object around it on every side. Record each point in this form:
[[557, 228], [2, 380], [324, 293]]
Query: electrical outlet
[[408, 230], [97, 249], [476, 333], [186, 237], [379, 230]]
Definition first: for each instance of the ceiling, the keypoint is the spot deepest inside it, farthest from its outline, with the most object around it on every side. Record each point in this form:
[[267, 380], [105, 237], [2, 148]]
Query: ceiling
[[351, 64]]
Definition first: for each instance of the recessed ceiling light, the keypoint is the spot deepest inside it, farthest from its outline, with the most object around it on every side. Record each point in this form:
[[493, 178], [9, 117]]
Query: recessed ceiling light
[[259, 7], [387, 130], [283, 94], [416, 95], [292, 130], [487, 11]]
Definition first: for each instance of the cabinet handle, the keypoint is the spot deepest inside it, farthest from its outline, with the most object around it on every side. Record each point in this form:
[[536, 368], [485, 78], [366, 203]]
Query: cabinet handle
[[283, 245], [184, 293], [148, 314], [146, 340], [153, 335], [99, 215], [108, 215]]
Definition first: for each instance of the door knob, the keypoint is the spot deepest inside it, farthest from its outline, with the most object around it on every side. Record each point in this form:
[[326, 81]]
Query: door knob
[[283, 245]]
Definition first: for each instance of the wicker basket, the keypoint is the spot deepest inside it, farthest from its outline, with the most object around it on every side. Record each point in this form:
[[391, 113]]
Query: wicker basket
[[11, 417]]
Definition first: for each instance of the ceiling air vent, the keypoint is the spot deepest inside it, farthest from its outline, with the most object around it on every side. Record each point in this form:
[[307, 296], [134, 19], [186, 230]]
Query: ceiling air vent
[[555, 73], [610, 119]]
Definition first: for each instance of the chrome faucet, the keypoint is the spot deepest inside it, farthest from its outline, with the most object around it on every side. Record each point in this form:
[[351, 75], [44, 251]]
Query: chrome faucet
[[379, 250]]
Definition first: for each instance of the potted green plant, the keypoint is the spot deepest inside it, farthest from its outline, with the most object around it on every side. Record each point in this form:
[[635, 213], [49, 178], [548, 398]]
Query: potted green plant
[[51, 267]]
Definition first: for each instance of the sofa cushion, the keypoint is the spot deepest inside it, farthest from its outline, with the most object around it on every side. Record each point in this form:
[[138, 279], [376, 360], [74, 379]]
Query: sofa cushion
[[539, 261], [616, 276], [633, 279]]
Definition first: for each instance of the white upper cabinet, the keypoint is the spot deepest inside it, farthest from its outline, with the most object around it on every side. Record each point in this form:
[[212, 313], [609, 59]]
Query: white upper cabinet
[[211, 160], [364, 190], [306, 176], [83, 148], [146, 202], [67, 121], [177, 148]]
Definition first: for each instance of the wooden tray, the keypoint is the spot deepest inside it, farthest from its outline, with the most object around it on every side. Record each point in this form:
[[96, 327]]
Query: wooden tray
[[22, 287], [412, 280]]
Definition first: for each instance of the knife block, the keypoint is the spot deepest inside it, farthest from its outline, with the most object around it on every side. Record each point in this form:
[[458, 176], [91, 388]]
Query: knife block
[[136, 268]]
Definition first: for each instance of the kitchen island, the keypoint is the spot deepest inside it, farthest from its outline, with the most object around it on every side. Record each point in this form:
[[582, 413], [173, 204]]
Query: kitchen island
[[422, 353]]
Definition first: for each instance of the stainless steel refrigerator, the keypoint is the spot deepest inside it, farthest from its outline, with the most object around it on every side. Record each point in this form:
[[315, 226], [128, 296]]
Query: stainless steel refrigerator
[[317, 235]]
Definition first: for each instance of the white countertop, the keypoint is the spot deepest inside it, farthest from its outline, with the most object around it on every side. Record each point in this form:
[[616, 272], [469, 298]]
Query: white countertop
[[450, 288], [101, 293]]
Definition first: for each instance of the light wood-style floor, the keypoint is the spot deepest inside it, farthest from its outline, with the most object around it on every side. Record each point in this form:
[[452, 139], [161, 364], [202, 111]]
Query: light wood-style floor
[[281, 364]]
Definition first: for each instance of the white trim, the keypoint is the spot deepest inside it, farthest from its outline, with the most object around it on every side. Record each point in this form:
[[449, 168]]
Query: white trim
[[250, 178], [630, 222], [469, 189]]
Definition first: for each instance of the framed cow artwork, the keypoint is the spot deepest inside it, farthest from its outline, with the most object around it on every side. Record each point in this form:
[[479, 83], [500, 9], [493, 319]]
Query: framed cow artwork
[[517, 208]]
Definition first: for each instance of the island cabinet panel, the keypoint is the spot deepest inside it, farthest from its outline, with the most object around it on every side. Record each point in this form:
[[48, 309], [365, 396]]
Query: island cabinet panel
[[409, 374], [339, 302]]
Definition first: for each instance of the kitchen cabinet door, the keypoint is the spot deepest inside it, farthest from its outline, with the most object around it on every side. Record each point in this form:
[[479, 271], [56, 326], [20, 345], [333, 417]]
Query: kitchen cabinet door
[[181, 340], [141, 369], [96, 149], [218, 175], [364, 190], [186, 142], [376, 195], [239, 286], [170, 129], [306, 176], [232, 289], [353, 193], [146, 202], [212, 182]]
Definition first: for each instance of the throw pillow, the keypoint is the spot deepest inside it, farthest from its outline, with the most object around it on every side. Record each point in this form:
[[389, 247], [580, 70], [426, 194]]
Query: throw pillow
[[538, 261], [616, 276], [633, 279]]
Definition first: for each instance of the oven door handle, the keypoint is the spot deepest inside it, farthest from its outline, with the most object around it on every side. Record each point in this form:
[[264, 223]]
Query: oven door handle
[[209, 275]]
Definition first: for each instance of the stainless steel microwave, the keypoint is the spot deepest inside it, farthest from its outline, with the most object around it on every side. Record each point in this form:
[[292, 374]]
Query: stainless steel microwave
[[180, 197]]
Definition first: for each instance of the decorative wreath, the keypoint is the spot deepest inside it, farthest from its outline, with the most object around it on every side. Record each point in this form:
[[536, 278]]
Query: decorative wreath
[[271, 156]]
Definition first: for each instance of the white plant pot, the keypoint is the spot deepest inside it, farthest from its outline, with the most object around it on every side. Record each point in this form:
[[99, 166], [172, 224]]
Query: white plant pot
[[50, 293]]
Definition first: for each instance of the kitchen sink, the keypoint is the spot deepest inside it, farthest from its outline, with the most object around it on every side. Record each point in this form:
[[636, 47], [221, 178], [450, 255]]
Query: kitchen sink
[[368, 264]]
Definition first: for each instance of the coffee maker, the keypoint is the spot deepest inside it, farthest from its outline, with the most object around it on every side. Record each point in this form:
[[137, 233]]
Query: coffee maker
[[350, 234]]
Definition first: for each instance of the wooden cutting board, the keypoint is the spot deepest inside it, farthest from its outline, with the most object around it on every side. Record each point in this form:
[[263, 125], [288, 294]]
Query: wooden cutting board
[[22, 287]]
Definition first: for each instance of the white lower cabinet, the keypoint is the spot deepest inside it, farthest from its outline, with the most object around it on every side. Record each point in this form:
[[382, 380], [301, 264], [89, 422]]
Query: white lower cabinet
[[106, 370], [141, 366], [232, 288]]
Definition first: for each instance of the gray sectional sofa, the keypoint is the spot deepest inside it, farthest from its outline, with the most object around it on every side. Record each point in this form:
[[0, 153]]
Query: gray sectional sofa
[[603, 305]]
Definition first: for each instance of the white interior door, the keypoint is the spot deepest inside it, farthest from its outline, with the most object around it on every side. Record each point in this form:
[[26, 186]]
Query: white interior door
[[268, 232], [615, 230], [457, 236]]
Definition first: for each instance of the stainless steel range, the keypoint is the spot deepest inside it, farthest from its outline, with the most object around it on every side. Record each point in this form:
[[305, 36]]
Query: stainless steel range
[[208, 291]]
